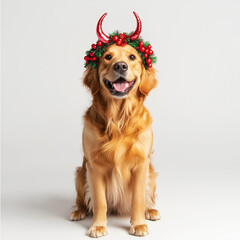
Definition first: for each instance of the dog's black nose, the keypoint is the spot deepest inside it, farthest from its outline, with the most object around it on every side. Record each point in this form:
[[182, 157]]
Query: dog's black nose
[[120, 67]]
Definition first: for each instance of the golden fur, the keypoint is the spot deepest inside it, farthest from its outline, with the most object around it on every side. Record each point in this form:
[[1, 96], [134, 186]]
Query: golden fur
[[116, 174]]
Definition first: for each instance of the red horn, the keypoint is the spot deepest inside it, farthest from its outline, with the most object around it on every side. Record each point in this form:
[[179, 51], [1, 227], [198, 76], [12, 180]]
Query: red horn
[[101, 35], [137, 32]]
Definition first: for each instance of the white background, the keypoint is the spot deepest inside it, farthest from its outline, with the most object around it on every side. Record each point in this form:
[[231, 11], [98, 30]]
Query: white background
[[195, 110]]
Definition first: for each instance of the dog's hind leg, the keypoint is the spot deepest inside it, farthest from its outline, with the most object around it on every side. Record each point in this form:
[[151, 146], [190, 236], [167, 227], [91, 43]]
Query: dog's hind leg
[[80, 182]]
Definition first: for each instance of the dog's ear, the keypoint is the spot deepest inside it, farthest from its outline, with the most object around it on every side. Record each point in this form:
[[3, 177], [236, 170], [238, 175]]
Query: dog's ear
[[148, 80], [90, 80]]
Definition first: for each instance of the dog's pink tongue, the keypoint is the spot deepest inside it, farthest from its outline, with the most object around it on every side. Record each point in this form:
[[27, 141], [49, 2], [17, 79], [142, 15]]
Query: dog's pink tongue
[[120, 87]]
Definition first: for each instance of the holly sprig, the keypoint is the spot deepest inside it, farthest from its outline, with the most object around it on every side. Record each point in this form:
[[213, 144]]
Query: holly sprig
[[97, 50]]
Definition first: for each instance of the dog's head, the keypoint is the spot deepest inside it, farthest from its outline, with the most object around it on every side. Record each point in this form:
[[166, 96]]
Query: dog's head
[[120, 73], [120, 65]]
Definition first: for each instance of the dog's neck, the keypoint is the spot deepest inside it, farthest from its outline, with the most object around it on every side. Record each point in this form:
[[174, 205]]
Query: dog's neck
[[112, 116]]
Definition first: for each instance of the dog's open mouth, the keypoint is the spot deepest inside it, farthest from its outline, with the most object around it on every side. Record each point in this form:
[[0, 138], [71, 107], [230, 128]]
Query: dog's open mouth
[[120, 87]]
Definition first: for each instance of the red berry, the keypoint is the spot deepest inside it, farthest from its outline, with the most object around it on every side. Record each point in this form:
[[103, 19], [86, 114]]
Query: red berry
[[94, 58], [146, 55], [115, 38], [149, 46], [148, 61], [147, 51], [121, 35], [91, 54], [149, 65], [142, 49], [86, 58], [150, 52], [137, 48], [90, 59], [94, 46], [119, 42], [99, 43], [141, 44]]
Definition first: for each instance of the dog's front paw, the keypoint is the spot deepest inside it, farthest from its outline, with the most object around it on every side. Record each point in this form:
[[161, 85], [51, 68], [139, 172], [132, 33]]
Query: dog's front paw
[[152, 214], [139, 230], [97, 231], [78, 215]]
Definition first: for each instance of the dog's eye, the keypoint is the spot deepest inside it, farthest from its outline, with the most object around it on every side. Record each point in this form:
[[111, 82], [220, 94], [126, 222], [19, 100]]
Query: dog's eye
[[132, 57], [108, 57]]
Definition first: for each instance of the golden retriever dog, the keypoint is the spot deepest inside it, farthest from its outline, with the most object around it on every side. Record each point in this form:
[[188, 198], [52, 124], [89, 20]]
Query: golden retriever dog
[[117, 174]]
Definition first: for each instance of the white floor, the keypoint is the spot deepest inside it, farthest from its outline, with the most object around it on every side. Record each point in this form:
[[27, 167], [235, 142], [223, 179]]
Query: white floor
[[196, 201]]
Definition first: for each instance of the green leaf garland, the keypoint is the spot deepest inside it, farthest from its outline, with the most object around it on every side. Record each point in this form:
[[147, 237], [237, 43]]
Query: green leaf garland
[[98, 51]]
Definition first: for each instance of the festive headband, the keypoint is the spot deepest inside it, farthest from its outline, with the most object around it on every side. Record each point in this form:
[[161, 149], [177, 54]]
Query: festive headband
[[121, 39]]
